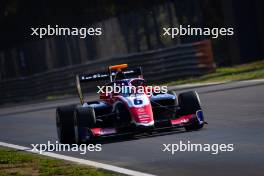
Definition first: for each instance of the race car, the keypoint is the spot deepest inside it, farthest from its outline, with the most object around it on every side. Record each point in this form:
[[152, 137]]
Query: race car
[[126, 112]]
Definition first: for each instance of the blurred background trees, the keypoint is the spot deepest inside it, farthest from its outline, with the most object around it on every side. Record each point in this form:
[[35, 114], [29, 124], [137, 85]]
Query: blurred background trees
[[128, 26]]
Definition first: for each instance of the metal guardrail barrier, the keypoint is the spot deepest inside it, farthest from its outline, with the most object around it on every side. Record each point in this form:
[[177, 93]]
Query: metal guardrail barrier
[[158, 66]]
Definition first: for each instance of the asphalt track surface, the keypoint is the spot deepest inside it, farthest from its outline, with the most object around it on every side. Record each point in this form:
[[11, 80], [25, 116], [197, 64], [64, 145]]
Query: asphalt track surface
[[234, 112]]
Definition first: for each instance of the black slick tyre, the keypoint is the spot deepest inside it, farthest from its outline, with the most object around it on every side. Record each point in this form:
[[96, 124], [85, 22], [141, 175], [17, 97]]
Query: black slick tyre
[[84, 120], [122, 117], [189, 103], [64, 124]]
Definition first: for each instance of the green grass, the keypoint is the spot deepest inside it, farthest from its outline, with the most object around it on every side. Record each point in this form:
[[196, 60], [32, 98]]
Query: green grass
[[254, 70], [17, 163]]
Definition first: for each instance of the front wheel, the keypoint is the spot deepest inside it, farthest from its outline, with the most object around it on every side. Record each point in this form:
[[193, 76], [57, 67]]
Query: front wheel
[[64, 124], [84, 120], [189, 103]]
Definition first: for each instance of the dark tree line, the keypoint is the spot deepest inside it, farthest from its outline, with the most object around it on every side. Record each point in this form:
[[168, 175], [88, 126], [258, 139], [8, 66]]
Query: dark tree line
[[140, 23], [17, 15]]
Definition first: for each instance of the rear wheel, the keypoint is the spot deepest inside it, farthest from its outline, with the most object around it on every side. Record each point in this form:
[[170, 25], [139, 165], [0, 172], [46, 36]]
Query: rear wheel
[[189, 103], [175, 103], [64, 124], [84, 120], [122, 117], [171, 92]]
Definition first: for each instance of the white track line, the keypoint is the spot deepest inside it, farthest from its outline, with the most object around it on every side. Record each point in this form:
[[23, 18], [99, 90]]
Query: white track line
[[195, 85], [253, 80], [78, 160]]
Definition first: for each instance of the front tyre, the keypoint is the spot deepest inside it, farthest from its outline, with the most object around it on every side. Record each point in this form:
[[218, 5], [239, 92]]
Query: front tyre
[[189, 103], [64, 124], [84, 120]]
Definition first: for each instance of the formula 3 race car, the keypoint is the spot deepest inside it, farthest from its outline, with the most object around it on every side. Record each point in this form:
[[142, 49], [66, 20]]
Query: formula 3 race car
[[126, 113]]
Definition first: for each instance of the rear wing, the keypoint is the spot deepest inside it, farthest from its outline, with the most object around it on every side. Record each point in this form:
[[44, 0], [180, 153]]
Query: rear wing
[[112, 71], [137, 71], [93, 77]]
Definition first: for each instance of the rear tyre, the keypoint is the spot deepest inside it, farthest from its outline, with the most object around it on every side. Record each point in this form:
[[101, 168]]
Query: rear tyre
[[176, 103], [171, 92], [189, 103], [64, 124], [122, 117], [84, 120]]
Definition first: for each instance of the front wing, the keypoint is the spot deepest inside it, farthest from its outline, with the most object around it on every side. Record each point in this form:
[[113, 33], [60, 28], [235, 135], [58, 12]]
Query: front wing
[[182, 121]]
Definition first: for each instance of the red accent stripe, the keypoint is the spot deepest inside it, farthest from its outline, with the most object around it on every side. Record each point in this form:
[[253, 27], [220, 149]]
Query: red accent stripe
[[182, 119]]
